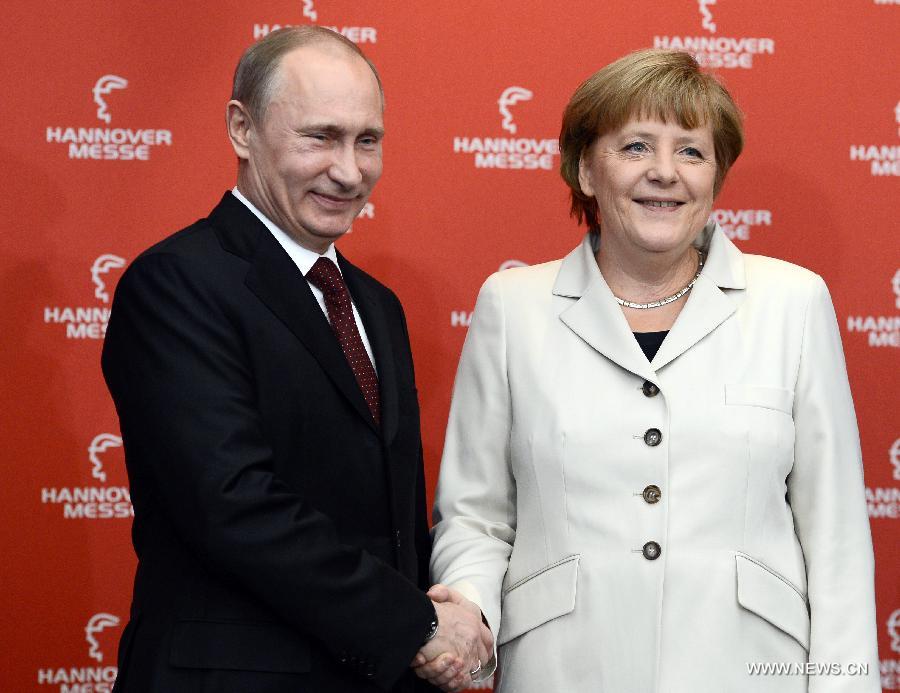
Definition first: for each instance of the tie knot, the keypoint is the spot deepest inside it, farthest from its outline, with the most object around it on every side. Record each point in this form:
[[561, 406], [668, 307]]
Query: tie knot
[[325, 275]]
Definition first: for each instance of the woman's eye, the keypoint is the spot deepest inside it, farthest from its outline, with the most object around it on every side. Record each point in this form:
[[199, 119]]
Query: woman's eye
[[692, 152], [636, 147]]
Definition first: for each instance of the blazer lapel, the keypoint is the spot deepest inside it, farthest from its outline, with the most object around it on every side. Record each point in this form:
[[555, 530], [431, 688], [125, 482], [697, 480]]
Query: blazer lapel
[[708, 305], [595, 316], [374, 320], [598, 320], [277, 282]]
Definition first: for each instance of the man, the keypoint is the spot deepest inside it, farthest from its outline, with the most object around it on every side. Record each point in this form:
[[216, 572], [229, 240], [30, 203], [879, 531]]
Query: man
[[267, 404]]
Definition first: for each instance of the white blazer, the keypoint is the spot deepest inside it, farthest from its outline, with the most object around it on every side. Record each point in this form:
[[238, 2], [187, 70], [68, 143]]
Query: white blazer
[[560, 433]]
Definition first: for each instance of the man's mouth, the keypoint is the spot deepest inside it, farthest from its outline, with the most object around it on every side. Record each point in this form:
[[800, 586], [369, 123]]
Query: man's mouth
[[333, 200]]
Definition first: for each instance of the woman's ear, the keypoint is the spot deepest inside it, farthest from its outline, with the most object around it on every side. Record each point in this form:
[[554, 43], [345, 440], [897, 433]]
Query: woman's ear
[[584, 174]]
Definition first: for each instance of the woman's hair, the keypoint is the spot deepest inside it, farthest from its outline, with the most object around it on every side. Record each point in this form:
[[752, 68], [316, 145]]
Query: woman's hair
[[663, 84]]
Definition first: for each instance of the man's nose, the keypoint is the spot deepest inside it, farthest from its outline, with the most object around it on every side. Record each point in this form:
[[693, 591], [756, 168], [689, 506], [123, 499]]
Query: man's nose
[[344, 167]]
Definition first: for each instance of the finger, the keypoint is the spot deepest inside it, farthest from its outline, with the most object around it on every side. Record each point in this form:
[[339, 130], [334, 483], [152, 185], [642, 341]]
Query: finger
[[487, 638], [461, 682], [443, 679], [485, 647], [436, 667], [438, 592]]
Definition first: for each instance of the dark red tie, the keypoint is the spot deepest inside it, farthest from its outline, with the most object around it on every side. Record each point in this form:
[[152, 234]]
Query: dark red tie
[[326, 276]]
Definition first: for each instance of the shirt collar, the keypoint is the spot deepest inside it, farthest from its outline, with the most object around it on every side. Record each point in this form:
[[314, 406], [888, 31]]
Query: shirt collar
[[302, 257]]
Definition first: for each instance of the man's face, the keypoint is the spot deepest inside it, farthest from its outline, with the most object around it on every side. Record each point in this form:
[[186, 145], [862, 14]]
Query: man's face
[[313, 161]]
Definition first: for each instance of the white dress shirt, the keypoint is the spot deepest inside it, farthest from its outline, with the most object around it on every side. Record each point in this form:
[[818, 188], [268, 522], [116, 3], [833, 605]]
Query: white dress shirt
[[305, 259]]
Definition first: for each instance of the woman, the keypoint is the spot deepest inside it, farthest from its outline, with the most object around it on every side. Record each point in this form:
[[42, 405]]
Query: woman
[[652, 477]]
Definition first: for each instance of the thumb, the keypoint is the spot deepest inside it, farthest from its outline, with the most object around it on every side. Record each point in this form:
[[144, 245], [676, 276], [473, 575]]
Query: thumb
[[439, 593]]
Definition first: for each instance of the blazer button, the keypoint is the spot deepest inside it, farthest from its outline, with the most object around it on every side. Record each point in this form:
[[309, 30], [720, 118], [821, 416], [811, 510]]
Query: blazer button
[[649, 389], [397, 538], [651, 550], [653, 437], [652, 494]]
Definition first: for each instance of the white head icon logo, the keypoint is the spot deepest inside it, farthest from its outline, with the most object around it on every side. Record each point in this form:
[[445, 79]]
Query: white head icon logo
[[103, 86], [98, 446], [895, 284], [708, 22], [96, 624], [510, 96], [897, 116], [509, 264], [895, 458], [893, 628], [102, 265], [309, 10]]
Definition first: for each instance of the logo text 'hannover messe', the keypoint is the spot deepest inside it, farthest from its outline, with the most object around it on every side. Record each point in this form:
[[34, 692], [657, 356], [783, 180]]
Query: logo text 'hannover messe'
[[515, 153], [108, 143], [884, 502], [88, 679], [890, 668], [308, 10], [884, 160], [883, 330], [715, 51], [89, 322], [104, 502]]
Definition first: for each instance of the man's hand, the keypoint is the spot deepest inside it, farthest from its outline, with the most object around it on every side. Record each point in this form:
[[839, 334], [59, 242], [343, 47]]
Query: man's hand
[[463, 643]]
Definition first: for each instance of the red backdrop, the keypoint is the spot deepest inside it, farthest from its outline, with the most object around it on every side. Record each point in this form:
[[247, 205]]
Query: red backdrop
[[114, 114]]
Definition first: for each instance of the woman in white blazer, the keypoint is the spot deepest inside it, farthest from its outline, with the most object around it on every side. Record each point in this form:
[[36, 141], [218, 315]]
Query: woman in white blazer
[[652, 479]]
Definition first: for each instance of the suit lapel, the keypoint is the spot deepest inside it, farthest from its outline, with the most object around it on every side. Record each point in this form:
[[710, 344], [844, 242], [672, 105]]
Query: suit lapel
[[276, 281], [595, 316], [374, 320], [598, 320], [708, 305]]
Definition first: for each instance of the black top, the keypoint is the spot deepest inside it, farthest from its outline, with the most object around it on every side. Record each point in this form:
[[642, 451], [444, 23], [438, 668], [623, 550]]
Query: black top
[[650, 342]]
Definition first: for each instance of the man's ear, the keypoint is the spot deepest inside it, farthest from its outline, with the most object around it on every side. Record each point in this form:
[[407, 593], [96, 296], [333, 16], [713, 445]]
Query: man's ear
[[239, 123], [584, 175]]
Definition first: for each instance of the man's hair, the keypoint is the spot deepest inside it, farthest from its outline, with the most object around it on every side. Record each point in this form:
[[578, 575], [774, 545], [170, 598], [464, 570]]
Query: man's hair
[[256, 74], [655, 83]]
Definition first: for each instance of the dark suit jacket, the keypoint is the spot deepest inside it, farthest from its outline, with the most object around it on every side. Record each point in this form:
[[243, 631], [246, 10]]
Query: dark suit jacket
[[281, 535]]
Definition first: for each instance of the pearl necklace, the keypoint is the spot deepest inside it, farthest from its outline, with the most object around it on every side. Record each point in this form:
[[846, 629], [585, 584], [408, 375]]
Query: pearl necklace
[[667, 299]]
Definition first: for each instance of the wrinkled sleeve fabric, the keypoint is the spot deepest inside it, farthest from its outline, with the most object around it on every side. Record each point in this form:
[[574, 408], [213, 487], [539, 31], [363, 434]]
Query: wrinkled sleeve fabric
[[475, 503], [827, 496], [178, 371]]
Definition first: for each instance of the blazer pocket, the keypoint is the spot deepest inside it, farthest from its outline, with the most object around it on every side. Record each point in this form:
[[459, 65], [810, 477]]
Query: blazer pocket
[[538, 598], [238, 646], [773, 598], [759, 396]]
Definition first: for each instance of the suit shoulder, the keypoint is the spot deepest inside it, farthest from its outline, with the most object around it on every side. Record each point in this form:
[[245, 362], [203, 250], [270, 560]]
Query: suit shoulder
[[768, 272], [530, 279], [776, 286], [188, 241]]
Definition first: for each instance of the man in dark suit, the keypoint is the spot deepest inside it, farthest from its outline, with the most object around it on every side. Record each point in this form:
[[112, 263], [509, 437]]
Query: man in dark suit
[[268, 409]]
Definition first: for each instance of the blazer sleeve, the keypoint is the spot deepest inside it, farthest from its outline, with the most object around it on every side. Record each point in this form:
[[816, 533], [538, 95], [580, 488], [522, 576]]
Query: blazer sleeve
[[827, 497], [178, 370], [475, 503]]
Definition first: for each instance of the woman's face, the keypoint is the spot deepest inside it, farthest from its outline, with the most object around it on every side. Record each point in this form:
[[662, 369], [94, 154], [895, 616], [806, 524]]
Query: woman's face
[[653, 183]]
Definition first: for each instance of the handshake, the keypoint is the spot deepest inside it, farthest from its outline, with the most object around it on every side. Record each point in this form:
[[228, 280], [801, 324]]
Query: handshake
[[463, 644]]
